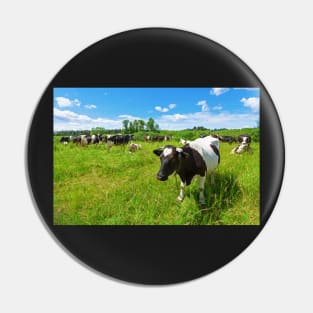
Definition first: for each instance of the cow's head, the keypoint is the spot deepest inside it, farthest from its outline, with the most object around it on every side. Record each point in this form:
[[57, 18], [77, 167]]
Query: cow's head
[[244, 139], [170, 158]]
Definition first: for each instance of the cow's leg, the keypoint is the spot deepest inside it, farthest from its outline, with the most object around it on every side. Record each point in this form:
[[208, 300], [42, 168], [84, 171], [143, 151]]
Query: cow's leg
[[181, 193], [212, 178], [201, 189]]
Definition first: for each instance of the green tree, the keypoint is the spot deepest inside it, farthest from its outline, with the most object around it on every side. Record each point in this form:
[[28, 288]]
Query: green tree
[[150, 124], [131, 128], [125, 124], [141, 125], [135, 124]]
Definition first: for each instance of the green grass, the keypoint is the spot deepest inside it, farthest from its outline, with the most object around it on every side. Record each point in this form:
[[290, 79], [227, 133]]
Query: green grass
[[93, 186]]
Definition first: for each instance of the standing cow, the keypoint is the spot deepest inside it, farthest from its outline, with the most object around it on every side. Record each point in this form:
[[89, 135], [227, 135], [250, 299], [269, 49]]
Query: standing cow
[[199, 157], [65, 139], [229, 139], [147, 138], [119, 140]]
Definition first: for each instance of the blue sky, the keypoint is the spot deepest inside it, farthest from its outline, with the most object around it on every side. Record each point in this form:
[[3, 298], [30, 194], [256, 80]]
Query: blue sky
[[171, 108]]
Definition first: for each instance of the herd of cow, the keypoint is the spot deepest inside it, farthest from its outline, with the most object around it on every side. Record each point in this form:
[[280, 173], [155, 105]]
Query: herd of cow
[[111, 140], [197, 157], [123, 139], [84, 140]]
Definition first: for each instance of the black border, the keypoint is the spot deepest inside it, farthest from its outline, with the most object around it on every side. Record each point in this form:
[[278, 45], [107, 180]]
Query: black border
[[155, 57]]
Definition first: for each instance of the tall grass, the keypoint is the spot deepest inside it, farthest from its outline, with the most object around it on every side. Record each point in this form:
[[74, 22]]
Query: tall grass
[[93, 186]]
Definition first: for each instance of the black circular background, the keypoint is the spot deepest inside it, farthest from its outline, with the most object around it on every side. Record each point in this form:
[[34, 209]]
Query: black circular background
[[154, 57]]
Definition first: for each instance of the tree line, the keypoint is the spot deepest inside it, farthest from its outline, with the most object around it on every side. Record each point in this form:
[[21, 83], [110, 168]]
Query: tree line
[[139, 125], [129, 127]]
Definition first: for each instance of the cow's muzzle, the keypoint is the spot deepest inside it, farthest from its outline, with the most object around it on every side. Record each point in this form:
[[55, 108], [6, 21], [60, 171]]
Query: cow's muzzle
[[161, 177]]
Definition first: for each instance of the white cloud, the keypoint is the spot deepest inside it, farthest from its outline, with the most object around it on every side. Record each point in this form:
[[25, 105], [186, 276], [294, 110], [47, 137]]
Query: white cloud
[[90, 106], [65, 120], [204, 105], [160, 109], [63, 102], [174, 117], [208, 120], [171, 106], [217, 107], [253, 103], [218, 91]]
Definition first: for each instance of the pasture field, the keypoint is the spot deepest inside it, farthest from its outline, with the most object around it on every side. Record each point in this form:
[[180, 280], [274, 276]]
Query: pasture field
[[93, 186]]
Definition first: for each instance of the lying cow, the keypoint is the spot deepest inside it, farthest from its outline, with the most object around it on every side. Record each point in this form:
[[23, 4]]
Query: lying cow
[[199, 157], [183, 141], [244, 145], [134, 147]]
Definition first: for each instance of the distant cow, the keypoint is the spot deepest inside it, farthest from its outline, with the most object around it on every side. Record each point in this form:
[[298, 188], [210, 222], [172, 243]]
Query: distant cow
[[244, 144], [65, 139], [158, 138], [199, 157], [134, 147], [77, 139], [229, 139], [85, 140], [95, 139], [183, 141], [147, 138], [118, 140]]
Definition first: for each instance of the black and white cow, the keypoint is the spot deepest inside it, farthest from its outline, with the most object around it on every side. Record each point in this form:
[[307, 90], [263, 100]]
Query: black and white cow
[[229, 139], [118, 140], [199, 157], [85, 140], [147, 138], [77, 139], [65, 139], [95, 139], [158, 138], [183, 141], [244, 144]]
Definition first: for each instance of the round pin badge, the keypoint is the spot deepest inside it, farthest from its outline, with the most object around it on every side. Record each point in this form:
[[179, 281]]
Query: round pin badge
[[155, 156]]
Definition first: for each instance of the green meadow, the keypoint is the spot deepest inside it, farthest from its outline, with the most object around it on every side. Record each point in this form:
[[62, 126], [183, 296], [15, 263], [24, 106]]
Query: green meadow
[[94, 186]]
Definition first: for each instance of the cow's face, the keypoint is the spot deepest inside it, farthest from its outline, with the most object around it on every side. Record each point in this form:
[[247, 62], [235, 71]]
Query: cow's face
[[170, 157], [244, 139]]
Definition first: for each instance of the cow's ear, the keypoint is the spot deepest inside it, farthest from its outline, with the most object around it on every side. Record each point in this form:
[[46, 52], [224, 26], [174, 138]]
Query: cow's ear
[[182, 153], [158, 151]]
